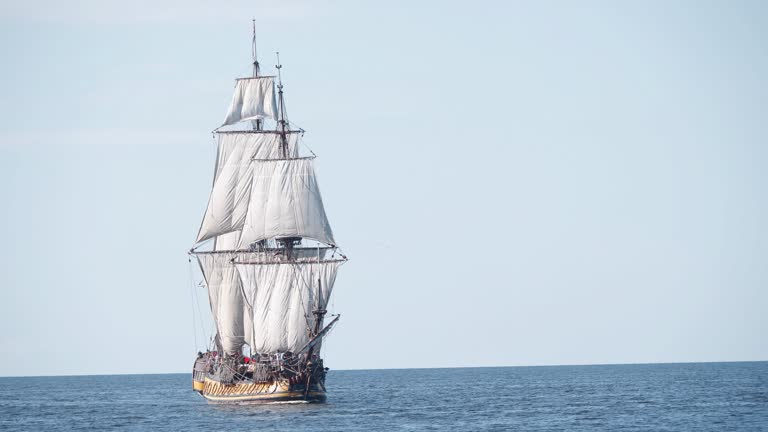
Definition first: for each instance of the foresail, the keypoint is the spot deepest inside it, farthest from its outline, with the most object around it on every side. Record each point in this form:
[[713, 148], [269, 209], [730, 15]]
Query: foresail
[[282, 297], [285, 201], [254, 99], [226, 298], [231, 190], [228, 242]]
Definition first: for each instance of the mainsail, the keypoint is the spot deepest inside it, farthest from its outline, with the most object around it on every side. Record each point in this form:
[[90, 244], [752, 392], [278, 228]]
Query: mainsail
[[282, 297], [267, 287]]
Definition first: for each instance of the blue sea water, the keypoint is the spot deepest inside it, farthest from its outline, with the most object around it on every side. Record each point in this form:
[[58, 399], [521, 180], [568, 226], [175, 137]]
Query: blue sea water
[[654, 397]]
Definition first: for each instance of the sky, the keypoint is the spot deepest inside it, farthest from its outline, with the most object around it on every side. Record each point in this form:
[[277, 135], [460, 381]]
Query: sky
[[515, 183]]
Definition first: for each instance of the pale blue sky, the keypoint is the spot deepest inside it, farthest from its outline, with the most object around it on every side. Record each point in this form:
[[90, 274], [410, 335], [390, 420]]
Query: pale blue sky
[[516, 183]]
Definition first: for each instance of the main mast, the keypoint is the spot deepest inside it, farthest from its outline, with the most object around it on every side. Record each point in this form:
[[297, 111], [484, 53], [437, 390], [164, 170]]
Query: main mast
[[288, 243]]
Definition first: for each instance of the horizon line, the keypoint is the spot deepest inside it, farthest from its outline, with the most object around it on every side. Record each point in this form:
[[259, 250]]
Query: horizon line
[[415, 368]]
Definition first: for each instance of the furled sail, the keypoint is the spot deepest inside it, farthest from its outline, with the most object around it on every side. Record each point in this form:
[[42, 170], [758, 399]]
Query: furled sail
[[285, 201], [254, 99], [282, 297], [227, 303], [232, 183]]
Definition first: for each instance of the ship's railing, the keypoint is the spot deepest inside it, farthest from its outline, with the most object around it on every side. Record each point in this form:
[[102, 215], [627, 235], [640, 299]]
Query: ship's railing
[[259, 368]]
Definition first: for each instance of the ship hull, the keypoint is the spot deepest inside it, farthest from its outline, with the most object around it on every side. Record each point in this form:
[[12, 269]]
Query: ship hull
[[258, 393]]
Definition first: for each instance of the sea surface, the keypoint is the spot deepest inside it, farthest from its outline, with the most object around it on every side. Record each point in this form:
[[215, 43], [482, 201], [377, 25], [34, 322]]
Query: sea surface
[[655, 397]]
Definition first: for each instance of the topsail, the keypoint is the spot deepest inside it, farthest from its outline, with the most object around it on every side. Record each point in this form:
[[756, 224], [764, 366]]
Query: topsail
[[285, 202], [254, 99], [233, 178]]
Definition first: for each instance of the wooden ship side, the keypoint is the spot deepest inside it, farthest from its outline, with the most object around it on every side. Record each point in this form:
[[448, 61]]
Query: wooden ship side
[[250, 392]]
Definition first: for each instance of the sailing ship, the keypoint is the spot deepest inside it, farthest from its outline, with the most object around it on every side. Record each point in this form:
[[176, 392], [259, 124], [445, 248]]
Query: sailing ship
[[267, 254]]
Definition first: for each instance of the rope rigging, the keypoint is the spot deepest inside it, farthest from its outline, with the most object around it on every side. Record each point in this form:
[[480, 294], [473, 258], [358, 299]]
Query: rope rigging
[[196, 305]]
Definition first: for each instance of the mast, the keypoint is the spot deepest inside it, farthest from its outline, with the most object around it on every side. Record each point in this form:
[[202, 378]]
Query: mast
[[281, 107], [288, 243], [258, 123], [319, 313]]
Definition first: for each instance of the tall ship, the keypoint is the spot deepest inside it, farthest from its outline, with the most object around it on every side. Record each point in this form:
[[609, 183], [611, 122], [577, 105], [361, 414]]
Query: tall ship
[[267, 255]]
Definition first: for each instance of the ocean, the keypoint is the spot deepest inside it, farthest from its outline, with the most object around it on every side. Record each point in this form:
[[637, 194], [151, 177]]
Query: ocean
[[652, 397]]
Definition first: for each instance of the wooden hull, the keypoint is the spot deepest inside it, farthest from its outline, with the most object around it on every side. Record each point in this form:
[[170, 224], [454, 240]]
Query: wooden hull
[[254, 393]]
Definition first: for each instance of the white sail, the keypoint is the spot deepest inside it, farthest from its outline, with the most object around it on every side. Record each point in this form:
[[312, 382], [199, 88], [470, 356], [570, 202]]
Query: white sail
[[285, 201], [260, 144], [232, 315], [226, 297], [231, 191], [234, 294], [254, 99], [227, 242], [282, 297]]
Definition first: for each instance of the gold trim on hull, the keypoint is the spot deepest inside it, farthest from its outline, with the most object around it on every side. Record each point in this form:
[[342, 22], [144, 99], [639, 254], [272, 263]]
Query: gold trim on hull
[[280, 391]]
